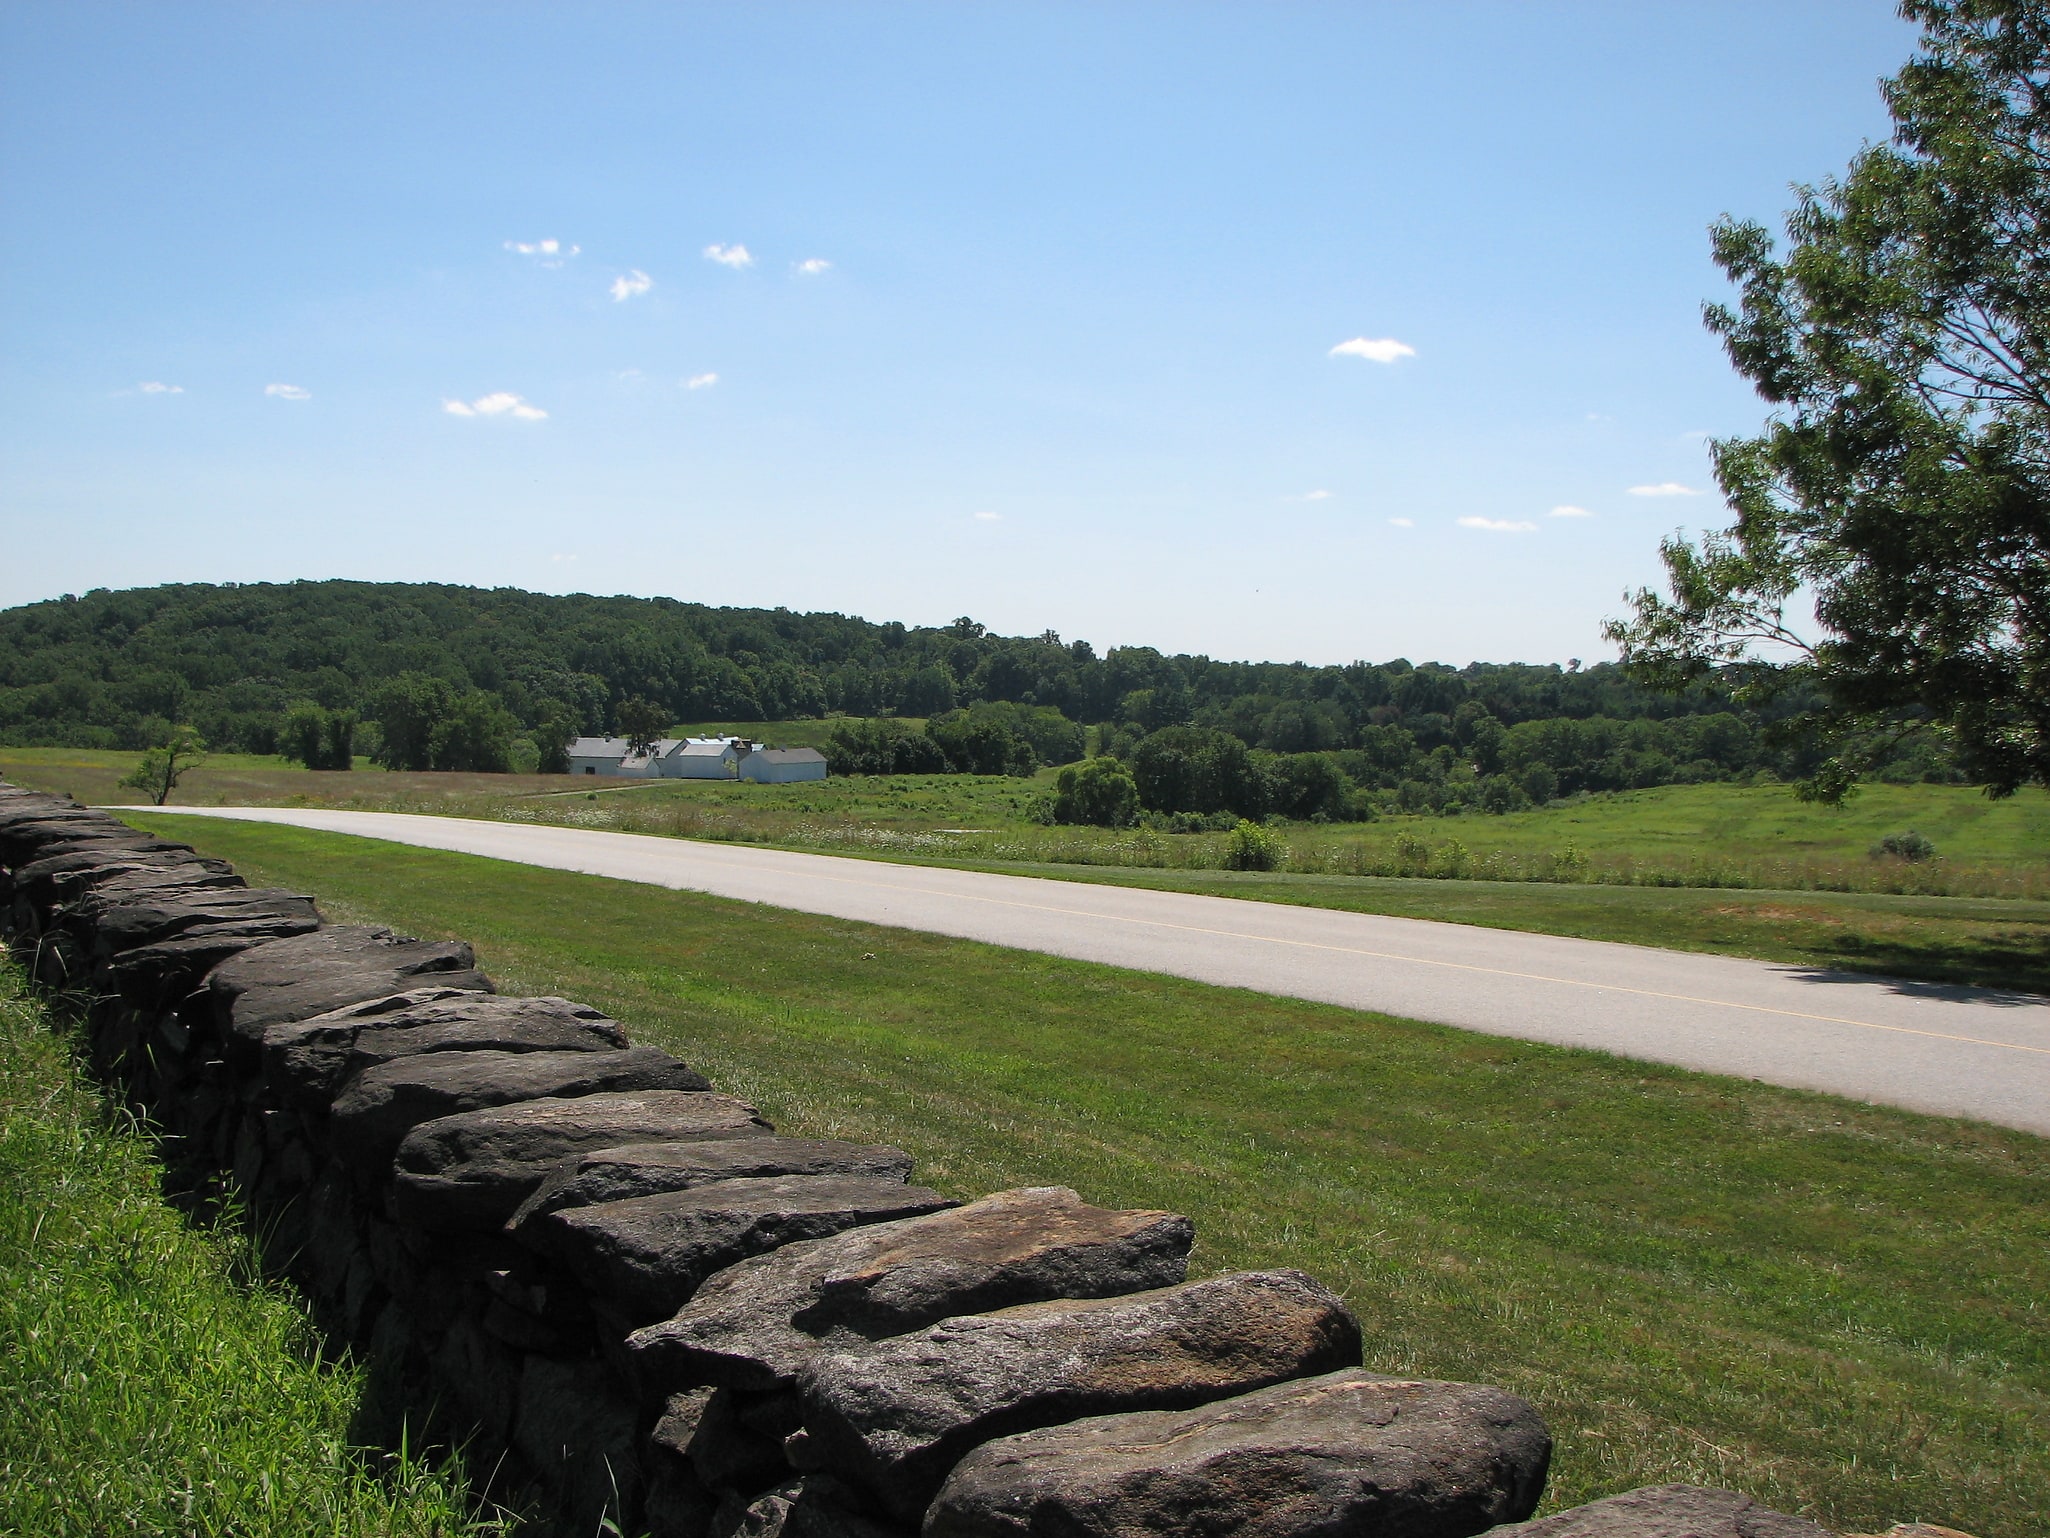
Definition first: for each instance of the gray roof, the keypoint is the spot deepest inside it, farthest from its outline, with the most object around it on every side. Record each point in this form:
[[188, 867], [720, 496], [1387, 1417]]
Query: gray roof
[[790, 755]]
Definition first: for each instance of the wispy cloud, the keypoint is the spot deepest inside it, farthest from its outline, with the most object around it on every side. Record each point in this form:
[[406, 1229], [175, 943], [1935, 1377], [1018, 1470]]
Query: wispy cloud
[[1499, 525], [549, 253], [1382, 349], [811, 266], [500, 403], [631, 285], [701, 381], [989, 517], [734, 256], [1403, 523], [1664, 489], [287, 392], [562, 560], [1319, 495], [1568, 510], [158, 387]]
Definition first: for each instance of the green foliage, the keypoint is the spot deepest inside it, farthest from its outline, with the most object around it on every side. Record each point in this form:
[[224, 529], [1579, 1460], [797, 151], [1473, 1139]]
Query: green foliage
[[1910, 846], [642, 723], [1097, 791], [1252, 847], [317, 738], [1904, 337], [883, 746], [429, 724], [177, 751], [1198, 769], [981, 744], [150, 1381]]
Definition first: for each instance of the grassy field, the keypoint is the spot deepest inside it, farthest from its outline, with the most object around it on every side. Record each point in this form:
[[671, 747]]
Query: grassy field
[[1978, 915], [1838, 1308], [148, 1384]]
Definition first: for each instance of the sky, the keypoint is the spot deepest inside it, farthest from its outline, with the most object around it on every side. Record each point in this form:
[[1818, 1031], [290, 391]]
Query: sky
[[1265, 331]]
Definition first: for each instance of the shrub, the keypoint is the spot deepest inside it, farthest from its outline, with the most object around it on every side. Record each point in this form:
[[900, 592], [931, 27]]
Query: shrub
[[1099, 791], [1910, 846], [1251, 847]]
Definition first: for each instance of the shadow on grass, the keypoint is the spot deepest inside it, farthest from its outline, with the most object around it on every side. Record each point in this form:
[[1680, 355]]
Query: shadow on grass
[[1991, 969]]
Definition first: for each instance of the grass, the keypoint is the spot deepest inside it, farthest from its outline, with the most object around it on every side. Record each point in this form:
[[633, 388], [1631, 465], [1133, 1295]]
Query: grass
[[1724, 869], [150, 1382], [1838, 1308]]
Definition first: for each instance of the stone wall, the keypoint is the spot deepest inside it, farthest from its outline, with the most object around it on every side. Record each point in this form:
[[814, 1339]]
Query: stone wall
[[634, 1300]]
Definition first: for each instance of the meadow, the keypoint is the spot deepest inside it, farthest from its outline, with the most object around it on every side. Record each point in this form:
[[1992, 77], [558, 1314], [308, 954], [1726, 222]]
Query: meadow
[[1727, 869], [1836, 1307]]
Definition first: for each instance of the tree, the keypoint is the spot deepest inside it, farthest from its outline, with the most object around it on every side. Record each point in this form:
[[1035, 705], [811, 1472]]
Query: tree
[[642, 723], [1098, 791], [1904, 482], [410, 709], [165, 764], [317, 738]]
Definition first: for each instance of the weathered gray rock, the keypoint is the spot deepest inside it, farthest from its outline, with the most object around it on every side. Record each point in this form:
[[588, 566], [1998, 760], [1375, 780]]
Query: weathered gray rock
[[1668, 1511], [895, 1416], [814, 1506], [472, 1171], [380, 1105], [644, 1258], [756, 1324], [306, 1061], [146, 919], [1349, 1452], [649, 1169], [311, 974], [576, 1431]]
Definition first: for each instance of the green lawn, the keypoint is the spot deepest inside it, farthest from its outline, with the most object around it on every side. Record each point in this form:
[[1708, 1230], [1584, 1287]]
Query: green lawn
[[1835, 1307], [148, 1384]]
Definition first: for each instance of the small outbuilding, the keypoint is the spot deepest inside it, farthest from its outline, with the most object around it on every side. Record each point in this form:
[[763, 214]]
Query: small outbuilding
[[783, 766]]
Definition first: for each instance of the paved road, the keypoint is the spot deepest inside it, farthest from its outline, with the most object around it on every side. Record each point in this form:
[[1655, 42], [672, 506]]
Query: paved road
[[1953, 1051]]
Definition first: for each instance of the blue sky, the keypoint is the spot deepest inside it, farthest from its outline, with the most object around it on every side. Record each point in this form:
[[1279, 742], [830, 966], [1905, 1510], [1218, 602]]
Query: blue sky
[[1026, 312]]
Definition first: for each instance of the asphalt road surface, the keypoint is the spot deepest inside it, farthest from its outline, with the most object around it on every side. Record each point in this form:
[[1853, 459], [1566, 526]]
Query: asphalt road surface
[[1931, 1047]]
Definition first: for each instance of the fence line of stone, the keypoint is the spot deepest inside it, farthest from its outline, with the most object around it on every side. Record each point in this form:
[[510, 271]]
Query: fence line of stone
[[638, 1304]]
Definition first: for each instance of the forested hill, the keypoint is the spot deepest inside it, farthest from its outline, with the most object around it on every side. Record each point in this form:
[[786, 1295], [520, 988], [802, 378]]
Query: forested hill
[[108, 669]]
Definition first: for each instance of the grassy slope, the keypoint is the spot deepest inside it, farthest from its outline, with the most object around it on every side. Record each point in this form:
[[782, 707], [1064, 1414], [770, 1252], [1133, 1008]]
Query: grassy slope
[[146, 1385], [1836, 1307]]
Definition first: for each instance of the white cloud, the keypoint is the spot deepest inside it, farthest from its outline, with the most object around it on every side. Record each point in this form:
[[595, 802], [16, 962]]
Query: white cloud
[[810, 267], [1319, 495], [989, 517], [1403, 523], [631, 285], [1664, 489], [734, 256], [1383, 349], [701, 381], [1568, 510], [158, 387], [500, 403], [1498, 525], [288, 392], [562, 560], [549, 253]]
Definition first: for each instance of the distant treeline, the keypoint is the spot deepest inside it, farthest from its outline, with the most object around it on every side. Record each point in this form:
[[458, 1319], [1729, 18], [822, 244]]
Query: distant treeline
[[427, 676]]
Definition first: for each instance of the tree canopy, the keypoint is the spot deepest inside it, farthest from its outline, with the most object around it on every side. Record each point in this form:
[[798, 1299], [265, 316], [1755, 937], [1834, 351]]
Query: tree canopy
[[1903, 482]]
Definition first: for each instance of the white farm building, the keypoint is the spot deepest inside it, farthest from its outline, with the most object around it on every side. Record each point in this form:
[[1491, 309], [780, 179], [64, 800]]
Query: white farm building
[[695, 758]]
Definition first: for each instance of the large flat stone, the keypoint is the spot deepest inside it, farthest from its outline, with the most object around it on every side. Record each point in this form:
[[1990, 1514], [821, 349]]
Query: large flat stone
[[756, 1324], [645, 1257], [311, 974], [650, 1169], [380, 1105], [1348, 1452], [142, 919], [472, 1171], [306, 1061], [897, 1415], [1668, 1511]]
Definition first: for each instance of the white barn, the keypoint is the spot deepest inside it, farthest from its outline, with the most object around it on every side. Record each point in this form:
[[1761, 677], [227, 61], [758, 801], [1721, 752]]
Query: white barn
[[695, 758], [783, 766]]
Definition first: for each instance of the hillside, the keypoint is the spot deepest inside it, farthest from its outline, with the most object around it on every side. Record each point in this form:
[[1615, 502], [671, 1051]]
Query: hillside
[[503, 667]]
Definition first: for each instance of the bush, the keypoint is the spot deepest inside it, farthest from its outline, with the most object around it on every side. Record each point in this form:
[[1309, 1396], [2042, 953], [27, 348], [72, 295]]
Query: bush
[[1910, 846], [1252, 847], [1099, 791]]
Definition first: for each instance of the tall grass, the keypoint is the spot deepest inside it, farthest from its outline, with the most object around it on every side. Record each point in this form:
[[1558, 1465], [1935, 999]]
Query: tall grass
[[151, 1381]]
